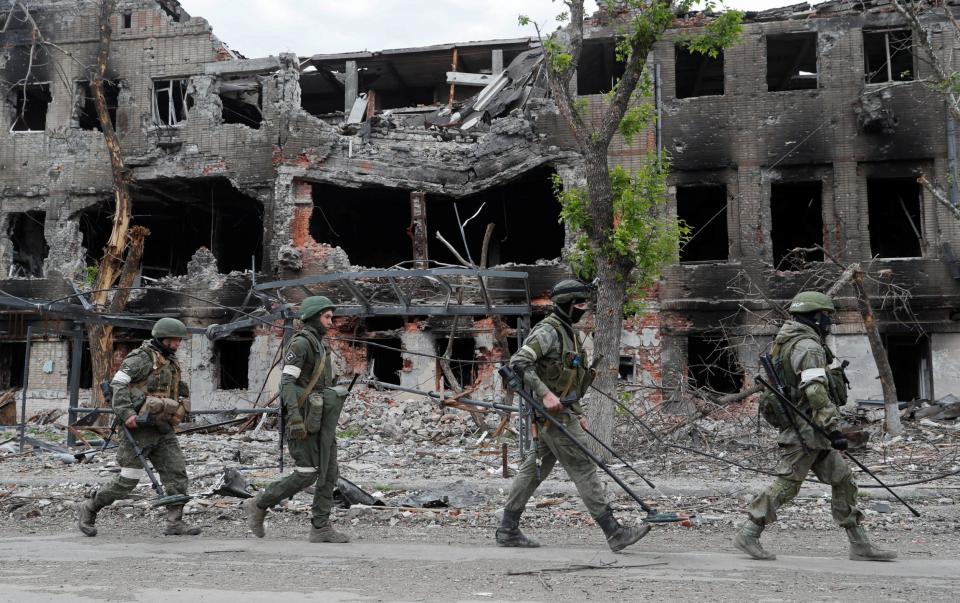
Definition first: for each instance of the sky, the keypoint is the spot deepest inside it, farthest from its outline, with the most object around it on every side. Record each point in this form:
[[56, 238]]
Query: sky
[[257, 28]]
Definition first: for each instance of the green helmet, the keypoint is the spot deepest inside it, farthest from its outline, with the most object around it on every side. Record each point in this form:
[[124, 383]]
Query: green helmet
[[314, 305], [811, 301], [169, 328], [569, 290]]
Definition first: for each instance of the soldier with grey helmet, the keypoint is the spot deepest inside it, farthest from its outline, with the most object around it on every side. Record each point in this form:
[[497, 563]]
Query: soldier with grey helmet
[[148, 385], [554, 368], [817, 387], [312, 403]]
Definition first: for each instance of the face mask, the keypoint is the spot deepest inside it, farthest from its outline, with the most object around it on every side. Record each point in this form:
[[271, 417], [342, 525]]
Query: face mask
[[577, 313], [823, 322]]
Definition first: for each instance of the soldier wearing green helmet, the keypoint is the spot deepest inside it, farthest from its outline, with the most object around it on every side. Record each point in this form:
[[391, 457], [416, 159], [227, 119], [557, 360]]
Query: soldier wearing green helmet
[[554, 368], [817, 387], [312, 403], [148, 382]]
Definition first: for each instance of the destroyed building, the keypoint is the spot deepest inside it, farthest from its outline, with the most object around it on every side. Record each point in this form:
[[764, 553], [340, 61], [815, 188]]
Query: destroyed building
[[264, 179]]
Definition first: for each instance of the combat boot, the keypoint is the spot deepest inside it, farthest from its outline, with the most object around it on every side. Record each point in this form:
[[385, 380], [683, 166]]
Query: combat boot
[[619, 536], [509, 534], [748, 541], [862, 550], [255, 516], [87, 516], [175, 524], [326, 533]]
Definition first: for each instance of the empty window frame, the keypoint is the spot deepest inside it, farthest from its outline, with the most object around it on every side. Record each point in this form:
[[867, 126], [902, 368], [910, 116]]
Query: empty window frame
[[30, 103], [386, 358], [85, 109], [127, 19], [12, 357], [242, 102], [698, 74], [796, 221], [704, 210], [627, 369], [909, 357], [792, 61], [170, 102], [462, 356], [893, 206], [599, 68], [30, 249], [712, 364], [888, 55], [233, 362]]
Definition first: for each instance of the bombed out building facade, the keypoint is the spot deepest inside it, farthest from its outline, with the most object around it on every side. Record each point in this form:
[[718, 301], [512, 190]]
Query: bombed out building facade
[[264, 179]]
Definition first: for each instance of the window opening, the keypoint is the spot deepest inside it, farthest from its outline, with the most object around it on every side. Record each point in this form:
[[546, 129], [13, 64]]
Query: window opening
[[704, 210], [713, 364], [791, 61], [170, 102], [627, 370], [909, 357], [86, 108], [242, 102], [233, 362], [11, 364], [30, 103], [698, 74], [796, 220], [599, 68], [893, 206], [888, 55], [30, 249], [127, 19], [461, 356], [387, 363]]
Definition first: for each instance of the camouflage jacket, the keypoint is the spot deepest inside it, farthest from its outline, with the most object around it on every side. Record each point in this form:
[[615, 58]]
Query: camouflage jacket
[[146, 371], [806, 361], [552, 359], [301, 358]]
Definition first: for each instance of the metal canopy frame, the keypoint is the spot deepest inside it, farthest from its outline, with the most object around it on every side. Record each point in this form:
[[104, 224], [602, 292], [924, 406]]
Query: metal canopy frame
[[419, 292]]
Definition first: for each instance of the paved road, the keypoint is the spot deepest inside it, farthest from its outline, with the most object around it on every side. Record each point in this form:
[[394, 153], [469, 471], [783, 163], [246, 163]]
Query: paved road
[[71, 568]]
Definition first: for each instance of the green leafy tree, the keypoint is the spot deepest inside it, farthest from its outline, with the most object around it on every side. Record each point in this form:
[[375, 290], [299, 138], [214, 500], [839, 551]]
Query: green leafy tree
[[623, 235]]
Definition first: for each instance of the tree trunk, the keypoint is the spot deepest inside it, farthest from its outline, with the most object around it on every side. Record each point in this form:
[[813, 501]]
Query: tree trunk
[[890, 403], [607, 323], [101, 336]]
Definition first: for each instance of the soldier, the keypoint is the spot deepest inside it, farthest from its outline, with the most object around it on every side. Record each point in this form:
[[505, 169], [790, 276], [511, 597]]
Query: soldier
[[148, 381], [312, 405], [553, 365], [817, 389]]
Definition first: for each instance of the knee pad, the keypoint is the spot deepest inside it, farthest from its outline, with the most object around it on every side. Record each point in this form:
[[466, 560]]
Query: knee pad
[[132, 474], [307, 474]]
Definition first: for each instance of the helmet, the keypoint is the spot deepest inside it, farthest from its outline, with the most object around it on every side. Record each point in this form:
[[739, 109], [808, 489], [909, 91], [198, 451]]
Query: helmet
[[169, 328], [811, 301], [570, 290], [314, 305]]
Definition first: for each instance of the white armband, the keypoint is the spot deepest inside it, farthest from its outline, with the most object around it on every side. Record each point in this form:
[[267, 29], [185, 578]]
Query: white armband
[[808, 376], [292, 370], [121, 378]]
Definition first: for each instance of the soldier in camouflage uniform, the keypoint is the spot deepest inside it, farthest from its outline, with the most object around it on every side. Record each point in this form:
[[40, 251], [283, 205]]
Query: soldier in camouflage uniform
[[148, 374], [312, 403], [817, 389], [554, 368]]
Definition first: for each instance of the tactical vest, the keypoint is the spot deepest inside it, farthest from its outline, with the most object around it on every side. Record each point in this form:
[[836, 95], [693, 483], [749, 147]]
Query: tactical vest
[[163, 380], [319, 355], [836, 378], [563, 375]]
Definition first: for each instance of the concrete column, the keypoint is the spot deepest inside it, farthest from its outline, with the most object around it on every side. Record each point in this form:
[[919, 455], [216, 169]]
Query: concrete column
[[496, 62], [197, 359], [351, 85], [418, 371], [418, 227], [945, 364], [862, 371]]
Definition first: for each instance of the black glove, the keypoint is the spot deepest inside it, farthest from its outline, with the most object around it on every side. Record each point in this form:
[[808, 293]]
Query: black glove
[[838, 441]]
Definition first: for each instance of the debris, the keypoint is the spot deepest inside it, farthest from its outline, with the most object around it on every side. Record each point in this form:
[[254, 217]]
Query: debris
[[457, 494], [232, 483]]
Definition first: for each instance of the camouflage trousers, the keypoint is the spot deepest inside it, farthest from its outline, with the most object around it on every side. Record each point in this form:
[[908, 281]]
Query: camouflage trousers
[[165, 456], [315, 463], [553, 446], [795, 464]]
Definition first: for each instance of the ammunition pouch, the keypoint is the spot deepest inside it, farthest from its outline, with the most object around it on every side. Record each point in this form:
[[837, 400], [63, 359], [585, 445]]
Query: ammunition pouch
[[837, 384], [323, 407], [165, 413], [772, 411]]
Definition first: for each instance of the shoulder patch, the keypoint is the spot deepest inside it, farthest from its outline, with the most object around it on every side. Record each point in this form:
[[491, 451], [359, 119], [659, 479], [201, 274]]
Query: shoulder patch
[[290, 357]]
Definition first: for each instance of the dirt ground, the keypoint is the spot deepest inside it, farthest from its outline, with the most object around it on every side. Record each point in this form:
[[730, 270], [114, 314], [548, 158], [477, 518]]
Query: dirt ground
[[448, 554]]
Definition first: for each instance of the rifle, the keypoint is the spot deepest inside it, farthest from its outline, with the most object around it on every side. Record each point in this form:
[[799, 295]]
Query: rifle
[[766, 361], [511, 378], [162, 500], [783, 399]]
